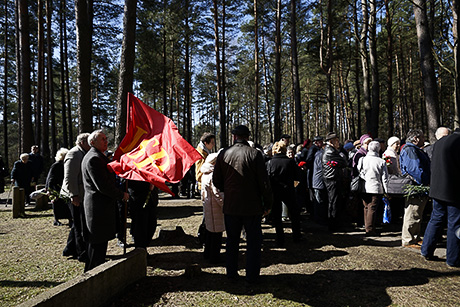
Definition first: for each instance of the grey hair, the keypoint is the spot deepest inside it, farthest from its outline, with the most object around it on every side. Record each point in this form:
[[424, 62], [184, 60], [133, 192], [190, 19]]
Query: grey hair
[[93, 136], [60, 155], [373, 146], [412, 134], [24, 155], [82, 138]]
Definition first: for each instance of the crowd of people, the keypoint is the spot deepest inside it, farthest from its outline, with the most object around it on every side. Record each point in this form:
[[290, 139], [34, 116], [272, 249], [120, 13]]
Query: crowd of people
[[334, 184], [245, 185], [92, 198]]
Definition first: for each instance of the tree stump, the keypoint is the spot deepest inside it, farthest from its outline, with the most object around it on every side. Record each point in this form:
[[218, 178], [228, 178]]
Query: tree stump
[[171, 233]]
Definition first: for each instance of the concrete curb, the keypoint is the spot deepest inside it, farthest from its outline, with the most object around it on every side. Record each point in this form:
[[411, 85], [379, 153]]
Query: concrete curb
[[98, 286]]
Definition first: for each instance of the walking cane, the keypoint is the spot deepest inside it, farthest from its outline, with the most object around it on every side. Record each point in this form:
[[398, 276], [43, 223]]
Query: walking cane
[[9, 193]]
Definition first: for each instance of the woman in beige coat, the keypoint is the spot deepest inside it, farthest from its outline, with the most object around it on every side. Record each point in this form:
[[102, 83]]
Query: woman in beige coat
[[213, 201]]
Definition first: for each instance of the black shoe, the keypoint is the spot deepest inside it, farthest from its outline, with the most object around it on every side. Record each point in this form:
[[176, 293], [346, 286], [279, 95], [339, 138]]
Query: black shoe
[[67, 253], [57, 223], [372, 234], [83, 257], [432, 258]]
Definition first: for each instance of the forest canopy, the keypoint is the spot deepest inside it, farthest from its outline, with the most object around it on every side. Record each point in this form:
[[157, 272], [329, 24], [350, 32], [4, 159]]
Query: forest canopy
[[298, 67]]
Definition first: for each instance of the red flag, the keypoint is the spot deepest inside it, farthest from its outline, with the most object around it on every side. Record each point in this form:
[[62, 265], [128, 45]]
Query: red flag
[[152, 150]]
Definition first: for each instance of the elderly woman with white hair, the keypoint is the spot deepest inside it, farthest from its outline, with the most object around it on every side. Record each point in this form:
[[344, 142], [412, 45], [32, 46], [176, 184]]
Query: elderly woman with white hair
[[374, 171], [21, 175], [391, 155], [54, 184]]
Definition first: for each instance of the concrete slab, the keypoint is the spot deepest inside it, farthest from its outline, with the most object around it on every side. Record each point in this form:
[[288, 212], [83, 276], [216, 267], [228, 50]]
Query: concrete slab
[[98, 286]]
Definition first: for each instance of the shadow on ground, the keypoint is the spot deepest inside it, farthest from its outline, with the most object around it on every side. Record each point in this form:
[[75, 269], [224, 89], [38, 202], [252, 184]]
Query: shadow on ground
[[322, 288]]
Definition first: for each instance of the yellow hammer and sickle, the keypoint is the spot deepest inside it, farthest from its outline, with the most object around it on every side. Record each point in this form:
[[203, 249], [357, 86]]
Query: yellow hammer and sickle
[[139, 133], [152, 158]]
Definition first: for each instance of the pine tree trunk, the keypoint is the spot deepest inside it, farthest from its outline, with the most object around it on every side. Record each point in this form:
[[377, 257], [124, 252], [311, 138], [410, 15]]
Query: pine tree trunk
[[126, 73], [326, 61], [295, 74], [62, 74], [365, 66], [267, 98], [256, 75], [5, 90], [455, 32], [27, 133], [18, 74], [67, 80], [84, 23], [277, 106], [222, 121], [389, 26], [374, 125], [187, 81], [224, 70], [427, 67], [52, 111], [40, 107]]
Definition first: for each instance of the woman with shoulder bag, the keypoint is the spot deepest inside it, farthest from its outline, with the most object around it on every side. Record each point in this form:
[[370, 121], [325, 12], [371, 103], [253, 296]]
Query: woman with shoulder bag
[[374, 171]]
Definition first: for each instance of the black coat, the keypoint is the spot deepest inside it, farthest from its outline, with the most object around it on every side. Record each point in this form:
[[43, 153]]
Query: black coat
[[101, 195], [22, 174], [445, 169], [282, 172], [240, 173], [55, 176], [332, 172]]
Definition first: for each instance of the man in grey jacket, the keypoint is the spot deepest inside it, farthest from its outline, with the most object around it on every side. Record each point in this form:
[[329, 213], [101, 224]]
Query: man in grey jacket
[[240, 173], [333, 164], [72, 188]]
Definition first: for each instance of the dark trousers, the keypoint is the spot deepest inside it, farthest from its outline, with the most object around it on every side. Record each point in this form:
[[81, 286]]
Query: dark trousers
[[320, 205], [76, 246], [252, 225], [371, 204], [334, 194], [96, 255], [288, 198], [435, 227], [212, 246], [143, 222]]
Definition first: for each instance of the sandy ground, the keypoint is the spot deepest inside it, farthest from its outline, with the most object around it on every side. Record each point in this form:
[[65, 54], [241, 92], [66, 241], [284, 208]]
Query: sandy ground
[[344, 268]]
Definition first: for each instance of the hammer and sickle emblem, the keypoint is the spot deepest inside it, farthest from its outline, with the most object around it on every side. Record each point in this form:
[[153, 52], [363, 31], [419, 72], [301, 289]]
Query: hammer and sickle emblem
[[153, 158]]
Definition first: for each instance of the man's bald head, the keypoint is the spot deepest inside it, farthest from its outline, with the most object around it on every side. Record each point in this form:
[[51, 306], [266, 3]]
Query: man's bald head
[[442, 131]]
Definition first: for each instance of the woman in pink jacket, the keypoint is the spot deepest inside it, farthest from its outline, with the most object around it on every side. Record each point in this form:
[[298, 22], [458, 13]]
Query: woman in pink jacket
[[213, 201]]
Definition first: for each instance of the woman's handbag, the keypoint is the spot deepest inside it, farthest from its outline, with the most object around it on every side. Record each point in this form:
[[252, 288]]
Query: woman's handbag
[[396, 184], [357, 184]]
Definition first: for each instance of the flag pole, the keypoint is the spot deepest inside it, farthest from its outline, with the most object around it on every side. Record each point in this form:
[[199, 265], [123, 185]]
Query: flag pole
[[125, 229], [128, 113]]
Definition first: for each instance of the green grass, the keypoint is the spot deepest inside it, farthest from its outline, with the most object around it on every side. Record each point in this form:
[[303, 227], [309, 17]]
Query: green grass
[[31, 260]]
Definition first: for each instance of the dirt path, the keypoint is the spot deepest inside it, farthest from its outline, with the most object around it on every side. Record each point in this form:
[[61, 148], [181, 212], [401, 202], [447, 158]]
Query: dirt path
[[340, 269]]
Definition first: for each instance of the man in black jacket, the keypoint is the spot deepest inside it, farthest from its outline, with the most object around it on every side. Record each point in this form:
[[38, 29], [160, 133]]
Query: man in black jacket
[[100, 202], [240, 173], [333, 164], [445, 176]]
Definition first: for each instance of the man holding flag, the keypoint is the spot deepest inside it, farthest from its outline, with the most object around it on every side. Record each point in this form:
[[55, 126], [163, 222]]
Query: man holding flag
[[101, 194]]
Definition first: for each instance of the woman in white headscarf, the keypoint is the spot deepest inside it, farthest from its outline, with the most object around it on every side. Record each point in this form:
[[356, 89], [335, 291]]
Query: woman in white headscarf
[[391, 155]]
